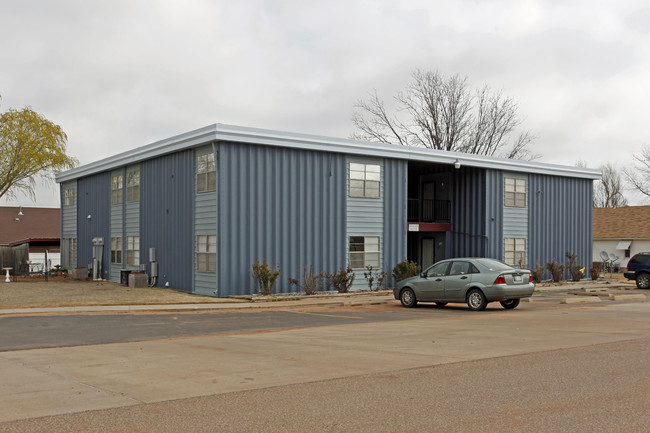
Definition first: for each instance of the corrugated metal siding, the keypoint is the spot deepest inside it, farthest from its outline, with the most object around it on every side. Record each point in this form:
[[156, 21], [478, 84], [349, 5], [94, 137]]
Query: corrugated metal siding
[[166, 217], [561, 219], [494, 214], [205, 223], [94, 199], [284, 206], [468, 237], [365, 216], [395, 212]]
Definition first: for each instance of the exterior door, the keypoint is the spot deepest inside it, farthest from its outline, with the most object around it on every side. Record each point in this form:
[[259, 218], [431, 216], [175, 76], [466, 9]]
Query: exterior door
[[428, 252], [432, 287]]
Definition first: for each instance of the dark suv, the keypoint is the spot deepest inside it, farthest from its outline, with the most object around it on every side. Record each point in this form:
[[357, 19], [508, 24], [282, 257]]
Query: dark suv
[[638, 268]]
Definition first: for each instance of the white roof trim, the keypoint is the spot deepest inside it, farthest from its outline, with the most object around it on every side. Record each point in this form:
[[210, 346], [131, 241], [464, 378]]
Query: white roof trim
[[221, 132]]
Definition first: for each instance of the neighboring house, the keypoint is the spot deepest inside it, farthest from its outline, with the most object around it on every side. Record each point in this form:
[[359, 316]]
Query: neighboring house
[[206, 204], [37, 226], [622, 231]]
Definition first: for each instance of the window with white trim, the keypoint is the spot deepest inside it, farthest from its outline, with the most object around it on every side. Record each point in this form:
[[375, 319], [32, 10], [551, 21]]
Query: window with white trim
[[206, 253], [133, 250], [364, 180], [117, 184], [364, 251], [133, 186], [68, 197], [206, 173], [116, 250], [515, 252], [515, 192]]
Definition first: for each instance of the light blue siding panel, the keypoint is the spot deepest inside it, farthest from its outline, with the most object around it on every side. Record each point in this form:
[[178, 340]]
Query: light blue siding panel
[[494, 214], [561, 218], [365, 216], [205, 223], [285, 206], [395, 212], [166, 217], [69, 213], [94, 199]]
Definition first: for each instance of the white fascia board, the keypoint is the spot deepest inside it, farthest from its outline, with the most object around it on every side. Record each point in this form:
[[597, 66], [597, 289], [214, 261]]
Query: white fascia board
[[221, 132]]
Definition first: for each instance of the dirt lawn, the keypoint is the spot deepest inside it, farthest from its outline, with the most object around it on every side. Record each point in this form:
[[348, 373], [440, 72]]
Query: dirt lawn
[[65, 292]]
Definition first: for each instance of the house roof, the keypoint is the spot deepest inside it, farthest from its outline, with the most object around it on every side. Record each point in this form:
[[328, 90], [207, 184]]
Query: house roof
[[35, 224], [220, 132], [629, 222]]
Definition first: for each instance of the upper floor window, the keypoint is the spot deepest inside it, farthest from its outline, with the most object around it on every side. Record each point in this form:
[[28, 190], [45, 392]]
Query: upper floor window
[[116, 189], [206, 173], [515, 192], [68, 197], [364, 180], [133, 186]]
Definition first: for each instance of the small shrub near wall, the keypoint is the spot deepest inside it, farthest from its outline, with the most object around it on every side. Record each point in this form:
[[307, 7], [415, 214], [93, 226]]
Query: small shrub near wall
[[405, 269], [574, 268], [537, 273], [374, 278], [341, 280], [557, 271], [310, 281], [594, 271], [266, 276]]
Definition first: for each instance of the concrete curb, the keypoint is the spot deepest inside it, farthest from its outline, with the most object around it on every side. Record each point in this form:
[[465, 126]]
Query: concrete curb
[[633, 297], [580, 299]]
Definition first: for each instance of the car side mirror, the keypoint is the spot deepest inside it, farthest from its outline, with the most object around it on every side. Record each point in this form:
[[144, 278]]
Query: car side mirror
[[423, 275]]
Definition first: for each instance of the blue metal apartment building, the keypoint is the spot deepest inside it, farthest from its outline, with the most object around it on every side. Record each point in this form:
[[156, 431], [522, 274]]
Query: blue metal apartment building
[[212, 201]]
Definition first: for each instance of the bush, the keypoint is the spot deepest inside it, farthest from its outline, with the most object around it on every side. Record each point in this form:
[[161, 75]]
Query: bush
[[537, 273], [309, 283], [405, 269], [557, 270], [574, 268], [265, 276], [371, 275], [341, 280]]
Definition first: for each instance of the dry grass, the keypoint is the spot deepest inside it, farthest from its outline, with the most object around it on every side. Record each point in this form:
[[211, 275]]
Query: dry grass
[[65, 292]]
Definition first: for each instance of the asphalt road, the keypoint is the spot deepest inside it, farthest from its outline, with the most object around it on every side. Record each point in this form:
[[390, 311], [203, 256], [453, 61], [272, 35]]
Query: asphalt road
[[569, 368]]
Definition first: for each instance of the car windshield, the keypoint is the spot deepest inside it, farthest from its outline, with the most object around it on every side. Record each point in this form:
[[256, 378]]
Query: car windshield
[[493, 265]]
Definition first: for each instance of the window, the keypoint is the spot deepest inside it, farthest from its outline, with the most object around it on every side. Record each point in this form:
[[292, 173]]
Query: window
[[116, 250], [364, 251], [206, 253], [364, 180], [515, 192], [437, 270], [116, 189], [68, 197], [133, 250], [69, 255], [133, 186], [515, 252], [206, 173]]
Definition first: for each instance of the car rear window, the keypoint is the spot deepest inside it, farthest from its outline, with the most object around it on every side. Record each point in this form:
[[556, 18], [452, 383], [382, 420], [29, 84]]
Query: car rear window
[[493, 265], [640, 259]]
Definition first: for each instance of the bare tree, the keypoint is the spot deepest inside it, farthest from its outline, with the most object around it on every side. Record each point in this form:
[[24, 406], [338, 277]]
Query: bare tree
[[445, 114], [608, 191], [639, 174]]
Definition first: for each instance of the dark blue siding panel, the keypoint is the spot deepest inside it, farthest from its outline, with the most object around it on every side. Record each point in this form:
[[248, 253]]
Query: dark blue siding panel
[[494, 214], [166, 217], [468, 237], [94, 199], [395, 212], [284, 206], [561, 218]]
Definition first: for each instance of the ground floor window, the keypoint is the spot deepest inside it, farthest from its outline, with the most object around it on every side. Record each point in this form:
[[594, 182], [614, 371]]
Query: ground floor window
[[69, 252], [515, 252], [116, 250], [206, 253], [133, 250], [364, 251]]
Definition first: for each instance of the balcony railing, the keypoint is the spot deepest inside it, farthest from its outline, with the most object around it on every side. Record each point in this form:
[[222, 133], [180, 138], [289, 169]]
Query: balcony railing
[[429, 211]]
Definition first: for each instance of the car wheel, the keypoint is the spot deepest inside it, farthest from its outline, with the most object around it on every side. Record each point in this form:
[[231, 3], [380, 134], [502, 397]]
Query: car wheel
[[509, 304], [476, 300], [408, 299], [643, 281], [441, 304]]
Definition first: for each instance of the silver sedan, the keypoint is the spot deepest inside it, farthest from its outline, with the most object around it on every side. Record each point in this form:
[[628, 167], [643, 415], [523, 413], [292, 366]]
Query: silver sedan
[[475, 281]]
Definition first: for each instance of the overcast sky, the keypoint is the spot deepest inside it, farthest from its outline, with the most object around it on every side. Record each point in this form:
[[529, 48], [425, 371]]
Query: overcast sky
[[119, 74]]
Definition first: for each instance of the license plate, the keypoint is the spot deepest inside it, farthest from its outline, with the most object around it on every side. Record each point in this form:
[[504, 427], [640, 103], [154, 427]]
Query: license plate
[[517, 278]]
